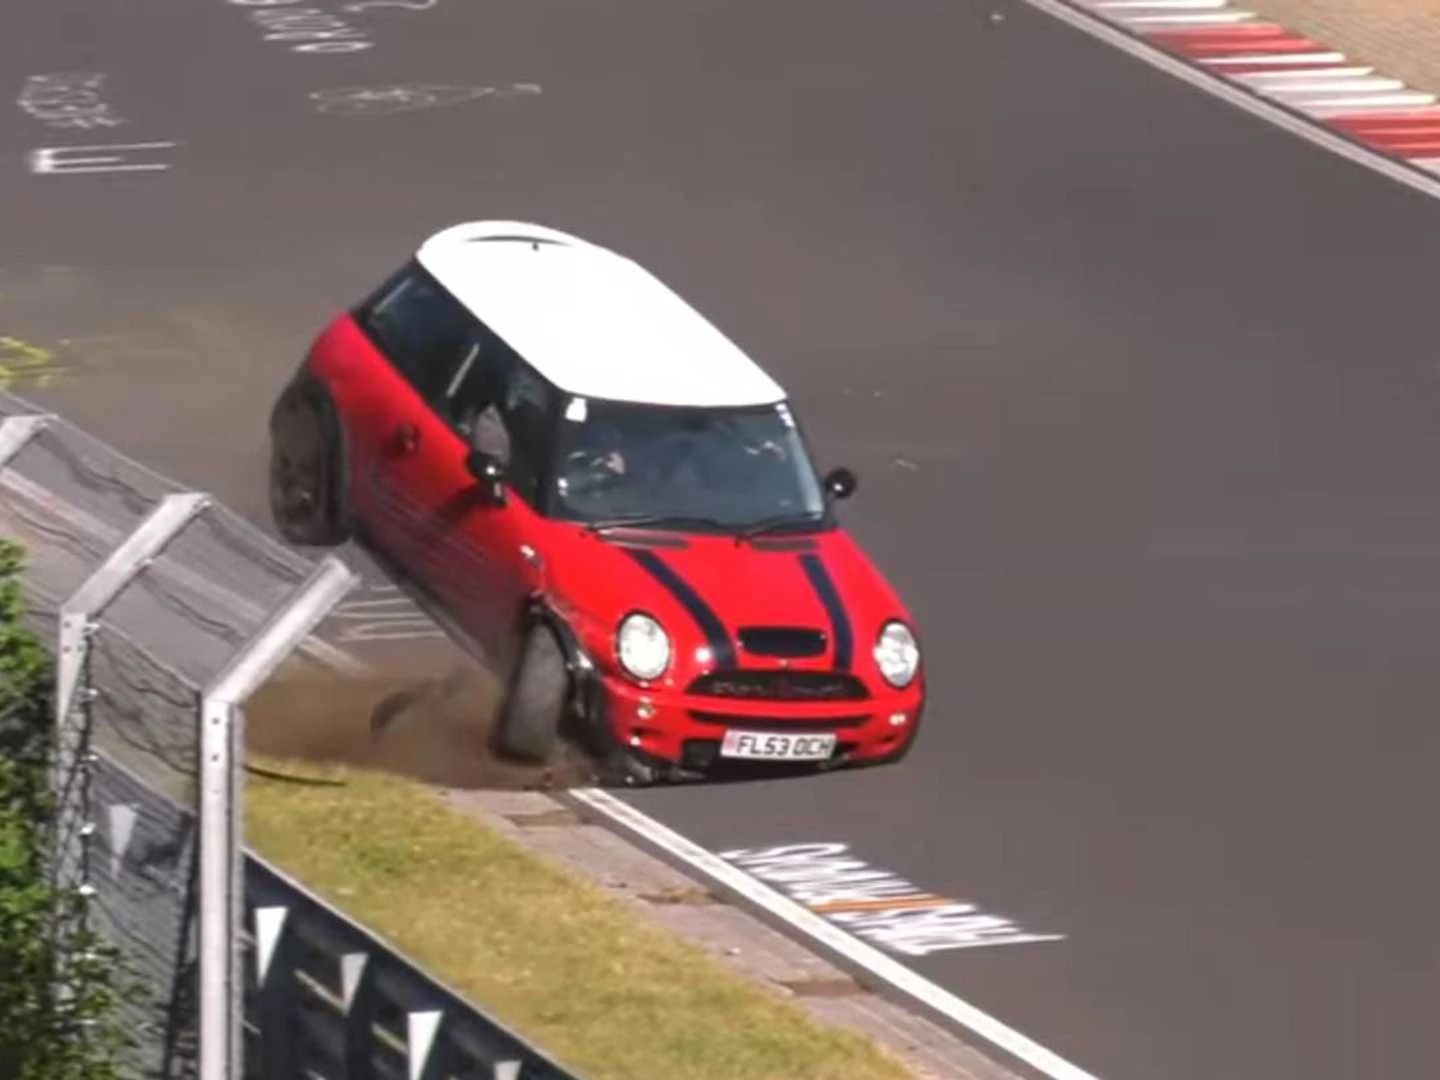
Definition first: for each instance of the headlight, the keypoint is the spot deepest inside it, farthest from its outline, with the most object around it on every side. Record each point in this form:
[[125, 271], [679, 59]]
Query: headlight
[[897, 654], [644, 647]]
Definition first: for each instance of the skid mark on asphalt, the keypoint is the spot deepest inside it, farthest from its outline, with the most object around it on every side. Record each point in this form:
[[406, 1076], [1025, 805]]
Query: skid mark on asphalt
[[875, 904]]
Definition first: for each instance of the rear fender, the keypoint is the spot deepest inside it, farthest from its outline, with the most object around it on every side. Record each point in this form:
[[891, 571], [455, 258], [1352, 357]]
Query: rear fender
[[309, 390]]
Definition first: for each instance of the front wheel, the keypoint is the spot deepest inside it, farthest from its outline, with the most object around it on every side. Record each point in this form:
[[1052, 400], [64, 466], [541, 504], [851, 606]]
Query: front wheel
[[534, 707]]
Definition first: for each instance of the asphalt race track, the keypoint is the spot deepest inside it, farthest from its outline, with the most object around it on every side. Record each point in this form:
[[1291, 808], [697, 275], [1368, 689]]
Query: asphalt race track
[[1143, 395]]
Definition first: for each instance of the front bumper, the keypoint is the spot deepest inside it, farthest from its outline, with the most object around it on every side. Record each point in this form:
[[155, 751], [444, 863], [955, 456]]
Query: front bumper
[[680, 735]]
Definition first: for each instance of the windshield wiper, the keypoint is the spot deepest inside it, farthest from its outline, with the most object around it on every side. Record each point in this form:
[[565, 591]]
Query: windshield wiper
[[779, 522], [638, 521]]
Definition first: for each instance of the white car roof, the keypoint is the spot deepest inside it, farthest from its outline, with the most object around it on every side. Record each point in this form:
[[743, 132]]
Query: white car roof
[[594, 323]]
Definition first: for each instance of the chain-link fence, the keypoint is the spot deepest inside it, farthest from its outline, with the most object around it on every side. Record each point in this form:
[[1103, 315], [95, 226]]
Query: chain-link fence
[[165, 611]]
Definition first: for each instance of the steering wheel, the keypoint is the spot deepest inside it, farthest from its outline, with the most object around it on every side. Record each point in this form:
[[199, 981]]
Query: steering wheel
[[588, 473]]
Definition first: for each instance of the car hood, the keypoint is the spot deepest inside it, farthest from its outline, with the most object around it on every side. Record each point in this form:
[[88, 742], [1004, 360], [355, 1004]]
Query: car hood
[[729, 597]]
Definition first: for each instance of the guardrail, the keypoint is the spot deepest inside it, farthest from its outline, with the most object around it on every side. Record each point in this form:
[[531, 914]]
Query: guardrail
[[164, 611], [326, 999]]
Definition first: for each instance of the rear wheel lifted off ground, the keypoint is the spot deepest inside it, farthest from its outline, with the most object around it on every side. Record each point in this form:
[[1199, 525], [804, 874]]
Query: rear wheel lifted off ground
[[307, 489], [534, 706]]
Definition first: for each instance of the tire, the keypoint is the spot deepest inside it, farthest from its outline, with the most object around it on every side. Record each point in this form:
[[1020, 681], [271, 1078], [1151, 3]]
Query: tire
[[307, 478], [534, 709]]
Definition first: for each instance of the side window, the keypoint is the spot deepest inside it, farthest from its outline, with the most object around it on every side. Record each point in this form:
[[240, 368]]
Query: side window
[[527, 414], [499, 404], [421, 328]]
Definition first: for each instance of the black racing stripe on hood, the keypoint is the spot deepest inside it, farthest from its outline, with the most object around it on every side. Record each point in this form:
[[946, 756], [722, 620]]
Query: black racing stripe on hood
[[721, 647], [824, 586]]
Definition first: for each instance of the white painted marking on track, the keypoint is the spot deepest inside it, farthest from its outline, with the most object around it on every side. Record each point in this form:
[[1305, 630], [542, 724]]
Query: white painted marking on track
[[1368, 102], [811, 929], [876, 904], [1159, 5], [1218, 18], [1313, 84], [1300, 87], [1098, 26], [407, 97], [809, 925], [401, 5], [1267, 78], [68, 100], [54, 160], [1269, 59]]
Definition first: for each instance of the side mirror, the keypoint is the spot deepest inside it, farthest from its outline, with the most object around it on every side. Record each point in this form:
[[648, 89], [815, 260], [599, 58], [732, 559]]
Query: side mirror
[[840, 483], [489, 472]]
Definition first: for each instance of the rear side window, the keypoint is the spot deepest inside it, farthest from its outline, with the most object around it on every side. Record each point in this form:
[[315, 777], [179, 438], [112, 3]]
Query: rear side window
[[421, 328]]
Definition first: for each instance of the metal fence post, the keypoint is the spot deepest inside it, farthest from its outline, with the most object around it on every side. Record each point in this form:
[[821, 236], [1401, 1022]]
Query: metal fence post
[[132, 779], [221, 827], [77, 621], [16, 431]]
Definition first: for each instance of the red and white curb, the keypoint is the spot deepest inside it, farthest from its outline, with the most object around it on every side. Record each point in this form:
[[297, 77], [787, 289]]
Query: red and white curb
[[1294, 71]]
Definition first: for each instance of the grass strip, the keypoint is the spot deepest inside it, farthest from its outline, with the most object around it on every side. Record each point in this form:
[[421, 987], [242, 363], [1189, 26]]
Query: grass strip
[[544, 950]]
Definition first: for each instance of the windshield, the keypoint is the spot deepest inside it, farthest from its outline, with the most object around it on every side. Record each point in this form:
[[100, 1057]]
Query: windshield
[[735, 467]]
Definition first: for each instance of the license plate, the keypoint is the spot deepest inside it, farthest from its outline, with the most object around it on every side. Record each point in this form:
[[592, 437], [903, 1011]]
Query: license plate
[[777, 746]]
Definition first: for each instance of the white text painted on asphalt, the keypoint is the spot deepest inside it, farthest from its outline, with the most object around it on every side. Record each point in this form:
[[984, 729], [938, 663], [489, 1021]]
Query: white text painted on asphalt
[[305, 29], [402, 5], [875, 904], [309, 29], [68, 100], [73, 101], [408, 97], [118, 157]]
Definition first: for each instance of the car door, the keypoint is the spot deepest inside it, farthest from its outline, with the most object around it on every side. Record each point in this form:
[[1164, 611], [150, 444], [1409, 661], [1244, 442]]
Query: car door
[[486, 553], [430, 515], [417, 333]]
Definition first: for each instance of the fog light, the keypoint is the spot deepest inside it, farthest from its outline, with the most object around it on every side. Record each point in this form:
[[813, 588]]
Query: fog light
[[645, 710], [635, 740], [897, 719]]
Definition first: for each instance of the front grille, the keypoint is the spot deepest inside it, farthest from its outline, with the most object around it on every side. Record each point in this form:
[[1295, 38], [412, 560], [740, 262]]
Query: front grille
[[780, 686], [789, 642], [807, 726]]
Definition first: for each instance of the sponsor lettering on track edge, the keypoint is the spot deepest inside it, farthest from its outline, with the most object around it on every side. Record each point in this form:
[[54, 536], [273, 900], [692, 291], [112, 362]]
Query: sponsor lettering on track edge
[[810, 924], [816, 930], [876, 904], [1292, 81]]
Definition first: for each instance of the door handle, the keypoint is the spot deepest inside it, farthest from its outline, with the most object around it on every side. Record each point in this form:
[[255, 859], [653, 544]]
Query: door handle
[[407, 438]]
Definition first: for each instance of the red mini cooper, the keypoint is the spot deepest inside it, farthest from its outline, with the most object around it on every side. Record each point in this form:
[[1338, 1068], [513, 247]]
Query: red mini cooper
[[609, 498]]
